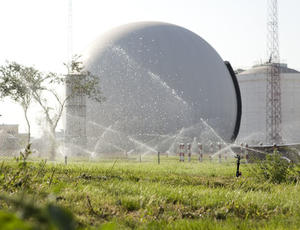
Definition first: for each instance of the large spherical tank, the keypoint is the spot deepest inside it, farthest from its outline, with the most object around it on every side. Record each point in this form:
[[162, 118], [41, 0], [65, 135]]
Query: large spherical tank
[[163, 84]]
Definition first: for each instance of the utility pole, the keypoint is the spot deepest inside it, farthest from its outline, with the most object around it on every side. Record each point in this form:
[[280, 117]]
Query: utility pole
[[70, 32], [273, 88]]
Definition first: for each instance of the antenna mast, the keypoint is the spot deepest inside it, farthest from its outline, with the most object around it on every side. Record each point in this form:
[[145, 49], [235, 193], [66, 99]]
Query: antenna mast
[[273, 90], [70, 32]]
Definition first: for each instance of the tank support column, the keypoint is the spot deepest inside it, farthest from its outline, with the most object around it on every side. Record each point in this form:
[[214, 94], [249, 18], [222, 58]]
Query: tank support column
[[181, 152]]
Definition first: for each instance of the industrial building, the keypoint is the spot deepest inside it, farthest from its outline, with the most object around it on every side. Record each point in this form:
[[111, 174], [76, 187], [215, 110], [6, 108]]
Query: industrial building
[[253, 86], [10, 139]]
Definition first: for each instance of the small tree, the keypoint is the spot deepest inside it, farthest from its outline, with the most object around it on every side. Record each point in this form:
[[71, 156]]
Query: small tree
[[43, 88], [81, 82], [14, 85]]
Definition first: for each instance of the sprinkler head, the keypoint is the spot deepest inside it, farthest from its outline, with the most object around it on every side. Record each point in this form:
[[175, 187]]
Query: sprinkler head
[[238, 173]]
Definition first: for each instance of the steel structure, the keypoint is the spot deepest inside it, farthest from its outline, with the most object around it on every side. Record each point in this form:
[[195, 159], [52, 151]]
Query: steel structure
[[70, 33], [273, 91]]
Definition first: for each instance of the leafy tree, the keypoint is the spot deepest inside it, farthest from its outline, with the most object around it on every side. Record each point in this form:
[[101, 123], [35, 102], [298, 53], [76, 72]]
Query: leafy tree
[[31, 83], [80, 82], [14, 84]]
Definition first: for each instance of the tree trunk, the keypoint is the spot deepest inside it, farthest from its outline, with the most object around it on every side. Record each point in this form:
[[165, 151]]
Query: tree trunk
[[52, 144], [28, 125]]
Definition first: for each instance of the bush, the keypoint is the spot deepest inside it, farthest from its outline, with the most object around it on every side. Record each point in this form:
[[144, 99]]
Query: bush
[[32, 216], [275, 169]]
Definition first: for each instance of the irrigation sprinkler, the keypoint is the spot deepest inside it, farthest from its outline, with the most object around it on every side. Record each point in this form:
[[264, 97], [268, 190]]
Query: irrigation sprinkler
[[158, 157], [220, 156], [181, 152], [189, 146], [140, 158], [66, 160], [238, 173], [211, 148], [200, 152]]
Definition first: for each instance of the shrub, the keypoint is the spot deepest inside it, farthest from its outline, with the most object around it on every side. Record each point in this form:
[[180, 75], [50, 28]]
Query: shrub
[[274, 168]]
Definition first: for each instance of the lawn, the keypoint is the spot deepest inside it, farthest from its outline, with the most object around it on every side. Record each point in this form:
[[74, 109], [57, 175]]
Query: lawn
[[128, 194]]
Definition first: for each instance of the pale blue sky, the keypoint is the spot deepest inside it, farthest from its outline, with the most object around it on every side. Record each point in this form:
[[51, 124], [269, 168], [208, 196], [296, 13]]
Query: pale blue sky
[[34, 32]]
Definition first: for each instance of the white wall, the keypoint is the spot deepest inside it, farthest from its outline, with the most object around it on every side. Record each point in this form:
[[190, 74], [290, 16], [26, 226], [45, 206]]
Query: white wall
[[290, 106], [253, 92]]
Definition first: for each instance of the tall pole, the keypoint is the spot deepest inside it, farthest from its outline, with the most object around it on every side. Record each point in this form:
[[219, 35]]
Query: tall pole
[[75, 109], [70, 32], [273, 88]]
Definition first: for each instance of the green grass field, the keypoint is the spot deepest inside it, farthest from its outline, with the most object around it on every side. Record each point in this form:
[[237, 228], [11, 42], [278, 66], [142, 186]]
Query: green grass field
[[116, 194]]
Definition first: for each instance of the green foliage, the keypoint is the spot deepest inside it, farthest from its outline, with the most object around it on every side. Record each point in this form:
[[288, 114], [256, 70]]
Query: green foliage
[[276, 169], [46, 217], [27, 84], [132, 195], [9, 221], [13, 83], [82, 82], [16, 82]]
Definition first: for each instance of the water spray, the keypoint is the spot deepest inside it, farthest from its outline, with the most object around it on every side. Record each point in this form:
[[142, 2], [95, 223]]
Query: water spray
[[200, 152], [220, 156], [211, 150], [246, 153]]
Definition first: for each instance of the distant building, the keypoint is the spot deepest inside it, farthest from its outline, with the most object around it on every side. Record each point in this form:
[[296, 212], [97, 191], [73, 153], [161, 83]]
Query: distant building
[[10, 129], [9, 139]]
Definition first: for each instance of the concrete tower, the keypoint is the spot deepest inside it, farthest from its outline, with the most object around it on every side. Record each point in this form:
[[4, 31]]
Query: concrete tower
[[75, 124]]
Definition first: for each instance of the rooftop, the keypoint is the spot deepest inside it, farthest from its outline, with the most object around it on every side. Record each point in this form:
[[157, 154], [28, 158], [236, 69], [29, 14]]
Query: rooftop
[[263, 68]]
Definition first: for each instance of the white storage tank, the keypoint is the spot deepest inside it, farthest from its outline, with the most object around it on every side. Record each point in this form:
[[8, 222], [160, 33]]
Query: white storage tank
[[252, 84]]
